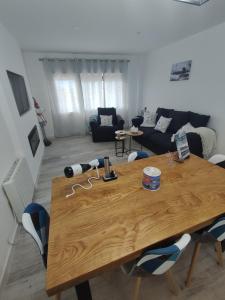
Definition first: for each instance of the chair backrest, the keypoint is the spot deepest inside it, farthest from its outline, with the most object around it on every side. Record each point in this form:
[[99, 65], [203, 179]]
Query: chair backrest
[[137, 155], [35, 220], [217, 230], [158, 261], [108, 111], [218, 159]]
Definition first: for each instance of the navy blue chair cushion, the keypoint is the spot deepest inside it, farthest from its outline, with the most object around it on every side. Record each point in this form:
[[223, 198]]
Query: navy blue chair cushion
[[107, 111]]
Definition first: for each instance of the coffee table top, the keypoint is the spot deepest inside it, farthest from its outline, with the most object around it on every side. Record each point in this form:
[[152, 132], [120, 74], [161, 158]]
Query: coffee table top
[[138, 133], [99, 229]]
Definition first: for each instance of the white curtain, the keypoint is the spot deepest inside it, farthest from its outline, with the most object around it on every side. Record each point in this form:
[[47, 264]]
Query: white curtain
[[115, 93], [66, 98], [78, 87], [93, 93]]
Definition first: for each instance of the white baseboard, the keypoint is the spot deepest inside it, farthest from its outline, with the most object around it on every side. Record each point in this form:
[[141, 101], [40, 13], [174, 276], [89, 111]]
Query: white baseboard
[[8, 253]]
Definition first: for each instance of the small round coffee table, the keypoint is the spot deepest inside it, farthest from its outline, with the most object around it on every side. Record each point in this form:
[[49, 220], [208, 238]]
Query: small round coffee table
[[120, 139], [131, 135]]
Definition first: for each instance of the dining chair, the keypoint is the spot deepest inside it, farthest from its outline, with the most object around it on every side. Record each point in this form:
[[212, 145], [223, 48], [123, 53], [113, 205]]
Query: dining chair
[[137, 155], [35, 220], [218, 159], [214, 232], [157, 261]]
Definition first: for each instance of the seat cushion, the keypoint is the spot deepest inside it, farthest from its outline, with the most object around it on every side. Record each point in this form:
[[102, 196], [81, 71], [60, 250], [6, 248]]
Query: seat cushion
[[165, 112], [179, 119], [163, 141], [147, 131], [198, 120]]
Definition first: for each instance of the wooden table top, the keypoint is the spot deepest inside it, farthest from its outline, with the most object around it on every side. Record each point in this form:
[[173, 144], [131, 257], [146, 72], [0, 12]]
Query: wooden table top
[[112, 223]]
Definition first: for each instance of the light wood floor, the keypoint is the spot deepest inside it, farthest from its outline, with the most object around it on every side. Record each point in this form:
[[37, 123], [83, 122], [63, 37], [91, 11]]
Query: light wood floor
[[25, 274]]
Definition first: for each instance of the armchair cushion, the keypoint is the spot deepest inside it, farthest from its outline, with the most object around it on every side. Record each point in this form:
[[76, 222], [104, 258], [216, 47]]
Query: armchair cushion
[[106, 120], [111, 111]]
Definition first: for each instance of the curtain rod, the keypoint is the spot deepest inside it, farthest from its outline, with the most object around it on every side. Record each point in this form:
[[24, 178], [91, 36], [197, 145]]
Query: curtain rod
[[64, 59]]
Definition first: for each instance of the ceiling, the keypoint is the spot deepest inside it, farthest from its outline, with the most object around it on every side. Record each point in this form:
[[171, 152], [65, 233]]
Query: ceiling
[[105, 26]]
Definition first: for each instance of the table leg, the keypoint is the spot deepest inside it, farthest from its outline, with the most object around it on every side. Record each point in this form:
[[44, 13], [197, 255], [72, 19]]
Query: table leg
[[116, 147], [123, 146], [83, 291], [130, 144]]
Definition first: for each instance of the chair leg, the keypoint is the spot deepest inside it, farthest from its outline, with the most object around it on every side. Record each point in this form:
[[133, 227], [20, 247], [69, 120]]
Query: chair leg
[[58, 296], [193, 261], [172, 283], [137, 288], [219, 253]]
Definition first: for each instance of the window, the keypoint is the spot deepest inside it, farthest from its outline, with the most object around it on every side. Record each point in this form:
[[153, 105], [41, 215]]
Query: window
[[114, 90], [93, 91], [67, 94], [102, 90]]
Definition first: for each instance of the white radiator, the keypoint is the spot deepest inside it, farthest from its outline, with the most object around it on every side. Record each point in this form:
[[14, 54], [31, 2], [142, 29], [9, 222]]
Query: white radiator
[[19, 187]]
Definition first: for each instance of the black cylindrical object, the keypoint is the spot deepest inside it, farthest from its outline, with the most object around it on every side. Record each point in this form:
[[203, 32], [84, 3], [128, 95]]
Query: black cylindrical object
[[107, 166]]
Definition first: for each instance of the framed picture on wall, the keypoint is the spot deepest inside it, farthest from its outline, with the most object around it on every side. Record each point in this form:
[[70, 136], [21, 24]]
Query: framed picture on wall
[[181, 71]]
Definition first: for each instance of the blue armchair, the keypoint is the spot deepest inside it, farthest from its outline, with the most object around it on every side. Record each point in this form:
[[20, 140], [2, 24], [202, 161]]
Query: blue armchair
[[105, 133]]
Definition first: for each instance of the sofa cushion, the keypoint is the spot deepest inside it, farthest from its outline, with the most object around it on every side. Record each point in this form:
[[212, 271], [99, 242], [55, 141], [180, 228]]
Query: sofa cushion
[[162, 124], [165, 112], [163, 140], [198, 120], [147, 131], [149, 119], [179, 119]]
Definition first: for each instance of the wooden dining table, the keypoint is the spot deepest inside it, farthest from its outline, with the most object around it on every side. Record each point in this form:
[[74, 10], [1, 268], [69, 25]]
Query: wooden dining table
[[114, 222]]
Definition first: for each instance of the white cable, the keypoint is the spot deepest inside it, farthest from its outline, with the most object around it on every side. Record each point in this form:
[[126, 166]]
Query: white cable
[[83, 187]]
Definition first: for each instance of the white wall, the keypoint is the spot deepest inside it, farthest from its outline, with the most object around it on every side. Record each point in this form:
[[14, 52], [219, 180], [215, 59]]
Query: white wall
[[204, 92], [13, 134], [40, 89]]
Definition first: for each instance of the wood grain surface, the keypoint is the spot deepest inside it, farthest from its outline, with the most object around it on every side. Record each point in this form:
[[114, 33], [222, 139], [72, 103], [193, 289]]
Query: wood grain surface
[[101, 228]]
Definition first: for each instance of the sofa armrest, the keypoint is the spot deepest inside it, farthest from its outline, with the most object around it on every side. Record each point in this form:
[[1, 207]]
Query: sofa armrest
[[93, 122], [137, 121], [195, 143], [120, 122]]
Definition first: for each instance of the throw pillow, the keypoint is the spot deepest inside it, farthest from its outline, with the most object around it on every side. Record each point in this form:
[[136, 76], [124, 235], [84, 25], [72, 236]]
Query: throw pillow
[[163, 124], [180, 118], [149, 119], [165, 112], [198, 120], [106, 120], [186, 128]]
